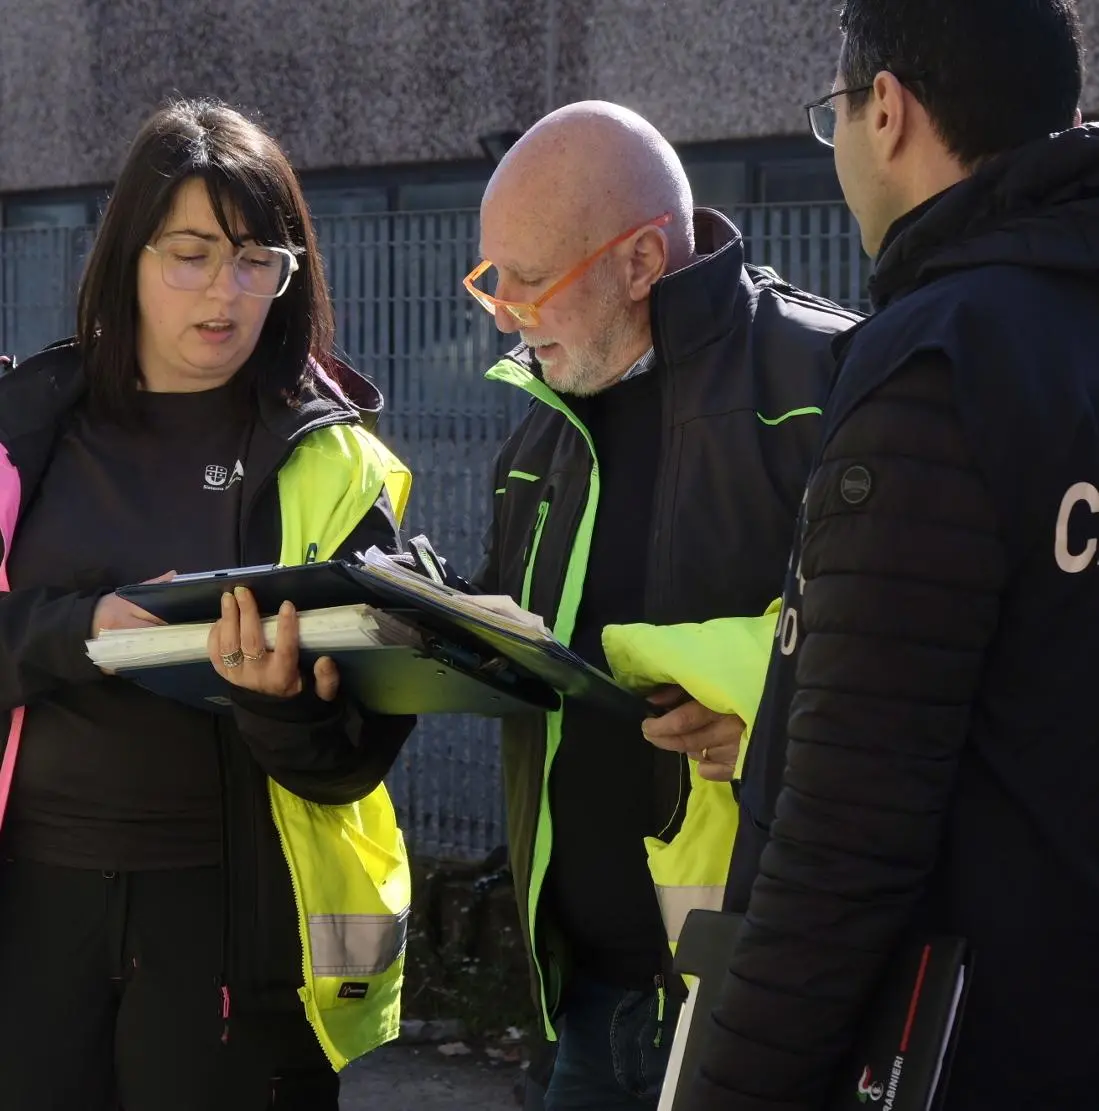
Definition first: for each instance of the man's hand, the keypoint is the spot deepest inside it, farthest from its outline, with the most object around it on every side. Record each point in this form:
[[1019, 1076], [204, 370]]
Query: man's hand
[[240, 655], [113, 612], [710, 738]]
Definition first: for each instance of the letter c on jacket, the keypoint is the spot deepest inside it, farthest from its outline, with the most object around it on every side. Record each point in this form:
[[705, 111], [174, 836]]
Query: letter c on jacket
[[1073, 564]]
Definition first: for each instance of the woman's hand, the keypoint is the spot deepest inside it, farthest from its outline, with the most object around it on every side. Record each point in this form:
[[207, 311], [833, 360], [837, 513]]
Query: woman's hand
[[239, 654], [113, 612]]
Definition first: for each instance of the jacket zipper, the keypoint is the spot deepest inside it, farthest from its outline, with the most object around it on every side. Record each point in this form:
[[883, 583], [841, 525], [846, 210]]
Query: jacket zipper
[[504, 371], [305, 992], [532, 551]]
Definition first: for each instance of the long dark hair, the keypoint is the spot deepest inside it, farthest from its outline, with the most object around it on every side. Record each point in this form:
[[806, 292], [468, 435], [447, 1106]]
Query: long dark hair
[[246, 173]]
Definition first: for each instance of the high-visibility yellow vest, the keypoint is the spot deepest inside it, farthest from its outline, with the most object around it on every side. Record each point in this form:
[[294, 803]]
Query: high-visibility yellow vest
[[722, 664], [347, 863]]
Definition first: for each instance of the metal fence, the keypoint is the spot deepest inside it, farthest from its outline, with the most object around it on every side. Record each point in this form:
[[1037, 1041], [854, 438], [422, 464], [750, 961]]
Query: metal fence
[[403, 317]]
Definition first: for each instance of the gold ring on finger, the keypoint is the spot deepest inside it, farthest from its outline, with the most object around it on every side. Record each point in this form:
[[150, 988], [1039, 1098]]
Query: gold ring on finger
[[705, 755], [233, 659], [253, 659]]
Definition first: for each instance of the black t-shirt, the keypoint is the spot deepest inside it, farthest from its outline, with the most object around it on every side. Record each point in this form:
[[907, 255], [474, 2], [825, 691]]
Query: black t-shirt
[[599, 891], [109, 775]]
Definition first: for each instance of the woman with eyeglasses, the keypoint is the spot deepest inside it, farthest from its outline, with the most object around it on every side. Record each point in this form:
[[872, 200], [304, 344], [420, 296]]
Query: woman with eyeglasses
[[197, 910]]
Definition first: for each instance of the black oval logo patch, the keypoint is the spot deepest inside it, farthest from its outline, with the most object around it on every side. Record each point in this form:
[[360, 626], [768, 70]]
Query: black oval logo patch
[[855, 485]]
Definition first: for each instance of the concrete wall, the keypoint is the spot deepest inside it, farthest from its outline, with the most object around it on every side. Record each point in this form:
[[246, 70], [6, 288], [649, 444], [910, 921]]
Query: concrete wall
[[372, 82]]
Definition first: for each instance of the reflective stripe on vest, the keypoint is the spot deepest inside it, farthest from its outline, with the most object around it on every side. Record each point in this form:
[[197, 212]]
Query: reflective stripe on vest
[[356, 944], [677, 902], [348, 865]]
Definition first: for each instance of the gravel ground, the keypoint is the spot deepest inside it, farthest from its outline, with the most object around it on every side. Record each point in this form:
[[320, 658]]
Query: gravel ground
[[406, 1078]]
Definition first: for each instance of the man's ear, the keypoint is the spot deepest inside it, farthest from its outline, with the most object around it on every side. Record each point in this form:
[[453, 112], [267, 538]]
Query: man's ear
[[648, 262], [889, 113]]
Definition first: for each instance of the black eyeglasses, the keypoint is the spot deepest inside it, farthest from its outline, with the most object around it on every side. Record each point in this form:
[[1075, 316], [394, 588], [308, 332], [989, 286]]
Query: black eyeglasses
[[822, 114]]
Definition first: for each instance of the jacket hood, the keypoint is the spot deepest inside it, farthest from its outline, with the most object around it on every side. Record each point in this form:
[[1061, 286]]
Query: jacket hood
[[337, 383], [1037, 206]]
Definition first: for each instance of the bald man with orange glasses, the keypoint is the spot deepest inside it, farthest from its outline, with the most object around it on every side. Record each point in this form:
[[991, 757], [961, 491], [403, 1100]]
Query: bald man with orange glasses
[[656, 479]]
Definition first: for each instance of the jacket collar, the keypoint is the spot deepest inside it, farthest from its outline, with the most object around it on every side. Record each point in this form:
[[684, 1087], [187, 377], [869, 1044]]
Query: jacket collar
[[694, 307], [1036, 206]]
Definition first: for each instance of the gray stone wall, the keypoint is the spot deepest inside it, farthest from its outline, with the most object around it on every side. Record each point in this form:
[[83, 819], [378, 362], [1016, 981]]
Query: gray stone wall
[[378, 82]]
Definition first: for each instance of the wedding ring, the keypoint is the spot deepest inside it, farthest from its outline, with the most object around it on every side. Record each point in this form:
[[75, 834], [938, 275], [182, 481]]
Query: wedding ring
[[233, 659], [253, 659]]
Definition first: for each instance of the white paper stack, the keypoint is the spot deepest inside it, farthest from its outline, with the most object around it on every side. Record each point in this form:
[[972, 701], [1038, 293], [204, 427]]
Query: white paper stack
[[501, 610], [323, 630]]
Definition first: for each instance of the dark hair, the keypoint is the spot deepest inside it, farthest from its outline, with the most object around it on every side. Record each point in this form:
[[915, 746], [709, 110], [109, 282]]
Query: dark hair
[[992, 74], [246, 174]]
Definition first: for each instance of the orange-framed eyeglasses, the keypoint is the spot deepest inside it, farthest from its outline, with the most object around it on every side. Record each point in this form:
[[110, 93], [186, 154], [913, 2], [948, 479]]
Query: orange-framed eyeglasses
[[526, 313]]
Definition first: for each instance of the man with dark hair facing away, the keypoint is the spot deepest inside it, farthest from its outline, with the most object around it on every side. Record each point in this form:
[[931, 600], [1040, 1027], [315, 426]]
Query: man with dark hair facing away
[[926, 757]]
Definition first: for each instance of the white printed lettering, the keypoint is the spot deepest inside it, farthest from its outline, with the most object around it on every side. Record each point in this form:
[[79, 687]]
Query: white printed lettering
[[1072, 563], [788, 631]]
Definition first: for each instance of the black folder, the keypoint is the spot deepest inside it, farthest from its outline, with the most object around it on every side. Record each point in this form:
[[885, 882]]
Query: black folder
[[906, 1042], [468, 662]]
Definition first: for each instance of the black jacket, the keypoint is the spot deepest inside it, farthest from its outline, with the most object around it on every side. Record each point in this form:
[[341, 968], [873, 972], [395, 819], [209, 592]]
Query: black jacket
[[744, 364], [927, 756], [325, 752]]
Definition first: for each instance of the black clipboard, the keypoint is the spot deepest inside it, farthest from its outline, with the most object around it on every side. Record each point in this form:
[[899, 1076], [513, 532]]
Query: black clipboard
[[513, 672], [395, 680], [191, 598]]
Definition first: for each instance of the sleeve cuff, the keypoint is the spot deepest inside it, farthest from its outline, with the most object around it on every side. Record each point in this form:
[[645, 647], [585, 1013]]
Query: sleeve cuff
[[302, 709], [78, 667]]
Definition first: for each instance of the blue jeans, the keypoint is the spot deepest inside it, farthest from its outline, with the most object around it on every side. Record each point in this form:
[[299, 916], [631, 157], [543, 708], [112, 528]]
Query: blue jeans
[[613, 1049]]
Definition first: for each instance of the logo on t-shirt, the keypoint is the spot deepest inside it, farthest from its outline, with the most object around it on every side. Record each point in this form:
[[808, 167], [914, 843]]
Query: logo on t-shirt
[[221, 478]]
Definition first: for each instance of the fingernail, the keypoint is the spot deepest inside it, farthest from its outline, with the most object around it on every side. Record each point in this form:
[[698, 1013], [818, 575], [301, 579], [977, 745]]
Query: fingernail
[[286, 608], [226, 598], [239, 591]]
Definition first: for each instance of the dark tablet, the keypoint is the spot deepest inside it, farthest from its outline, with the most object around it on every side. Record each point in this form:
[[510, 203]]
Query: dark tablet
[[189, 598]]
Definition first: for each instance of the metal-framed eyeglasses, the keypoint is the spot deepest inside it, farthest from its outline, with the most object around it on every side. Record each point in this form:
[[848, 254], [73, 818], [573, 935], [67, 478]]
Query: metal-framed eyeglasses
[[822, 114], [191, 263]]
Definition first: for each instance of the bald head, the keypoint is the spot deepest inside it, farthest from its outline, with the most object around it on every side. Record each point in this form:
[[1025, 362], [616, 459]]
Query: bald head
[[589, 171], [575, 184]]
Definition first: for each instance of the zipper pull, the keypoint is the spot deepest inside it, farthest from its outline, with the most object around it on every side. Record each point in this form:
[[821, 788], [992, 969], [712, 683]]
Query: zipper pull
[[661, 997]]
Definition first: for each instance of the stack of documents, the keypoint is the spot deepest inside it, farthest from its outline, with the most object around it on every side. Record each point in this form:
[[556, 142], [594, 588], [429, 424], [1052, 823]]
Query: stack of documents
[[501, 610], [320, 631]]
